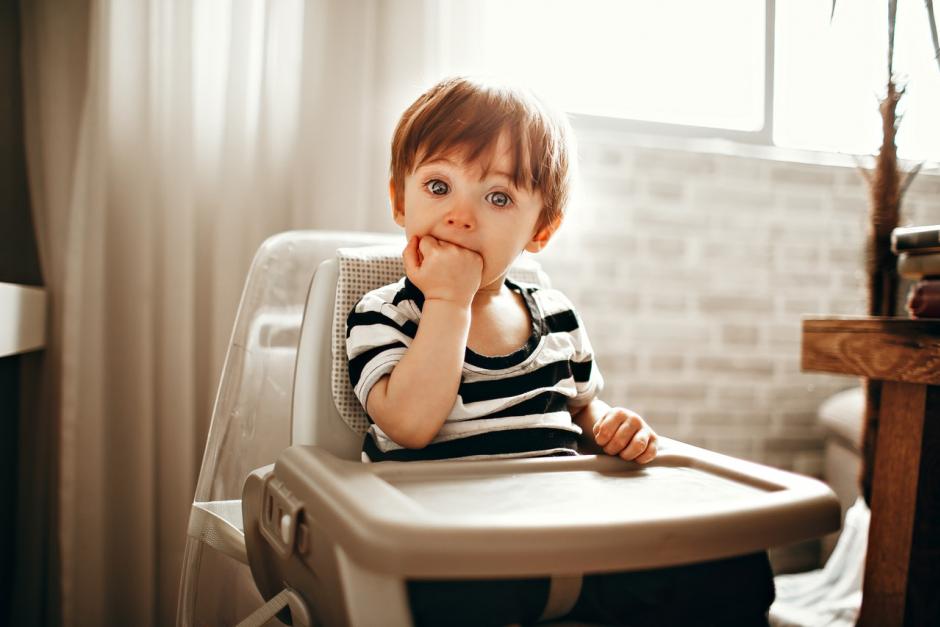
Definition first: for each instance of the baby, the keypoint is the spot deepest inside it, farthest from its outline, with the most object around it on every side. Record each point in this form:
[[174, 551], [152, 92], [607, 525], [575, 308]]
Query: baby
[[456, 360]]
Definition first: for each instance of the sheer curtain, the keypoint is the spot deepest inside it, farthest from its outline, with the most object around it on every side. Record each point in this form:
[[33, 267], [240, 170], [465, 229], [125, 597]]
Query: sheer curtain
[[166, 140]]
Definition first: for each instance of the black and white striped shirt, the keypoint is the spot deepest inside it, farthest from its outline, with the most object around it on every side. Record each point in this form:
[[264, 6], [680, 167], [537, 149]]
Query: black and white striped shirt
[[516, 405]]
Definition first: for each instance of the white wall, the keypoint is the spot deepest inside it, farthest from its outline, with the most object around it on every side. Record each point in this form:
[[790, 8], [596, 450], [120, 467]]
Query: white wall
[[692, 270]]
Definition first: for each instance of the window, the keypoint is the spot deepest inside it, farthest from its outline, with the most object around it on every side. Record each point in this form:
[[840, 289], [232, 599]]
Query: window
[[739, 69], [829, 77]]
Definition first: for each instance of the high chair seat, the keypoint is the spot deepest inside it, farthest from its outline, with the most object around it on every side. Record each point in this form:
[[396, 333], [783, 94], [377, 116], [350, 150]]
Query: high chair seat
[[344, 537]]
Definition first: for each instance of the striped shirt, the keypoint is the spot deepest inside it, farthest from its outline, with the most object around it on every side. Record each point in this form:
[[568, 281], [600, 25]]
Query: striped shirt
[[516, 405]]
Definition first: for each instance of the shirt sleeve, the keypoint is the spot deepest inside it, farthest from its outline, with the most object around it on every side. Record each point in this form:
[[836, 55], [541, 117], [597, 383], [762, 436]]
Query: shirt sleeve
[[378, 333], [587, 376]]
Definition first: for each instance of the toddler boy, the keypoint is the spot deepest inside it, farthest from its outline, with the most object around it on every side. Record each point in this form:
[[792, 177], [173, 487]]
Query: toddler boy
[[455, 360]]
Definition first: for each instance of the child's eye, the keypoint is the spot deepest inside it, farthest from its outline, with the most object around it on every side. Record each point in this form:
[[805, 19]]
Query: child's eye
[[437, 187], [500, 199]]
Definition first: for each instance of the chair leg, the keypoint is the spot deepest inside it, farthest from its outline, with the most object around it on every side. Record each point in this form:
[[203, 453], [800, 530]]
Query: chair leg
[[372, 598], [300, 615]]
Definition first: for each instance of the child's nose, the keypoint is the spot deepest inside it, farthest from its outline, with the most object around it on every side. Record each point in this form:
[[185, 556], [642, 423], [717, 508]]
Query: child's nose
[[460, 217]]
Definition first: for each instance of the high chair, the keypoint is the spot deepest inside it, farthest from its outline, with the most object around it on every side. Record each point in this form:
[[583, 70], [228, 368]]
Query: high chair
[[334, 540]]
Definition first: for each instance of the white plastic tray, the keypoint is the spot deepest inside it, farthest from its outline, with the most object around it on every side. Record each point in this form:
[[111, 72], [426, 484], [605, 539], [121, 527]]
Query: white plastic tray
[[554, 515]]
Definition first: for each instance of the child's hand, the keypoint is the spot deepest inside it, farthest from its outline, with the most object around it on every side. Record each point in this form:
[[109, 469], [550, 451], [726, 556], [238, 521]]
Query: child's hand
[[624, 433], [443, 271]]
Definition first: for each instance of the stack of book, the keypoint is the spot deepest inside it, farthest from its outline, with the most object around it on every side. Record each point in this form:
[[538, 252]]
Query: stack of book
[[918, 250]]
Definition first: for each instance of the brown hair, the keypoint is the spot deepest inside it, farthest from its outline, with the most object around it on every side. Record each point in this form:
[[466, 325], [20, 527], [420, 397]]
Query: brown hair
[[460, 114]]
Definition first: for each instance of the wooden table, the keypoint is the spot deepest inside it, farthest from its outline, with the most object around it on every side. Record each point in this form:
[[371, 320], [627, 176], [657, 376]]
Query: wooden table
[[902, 568]]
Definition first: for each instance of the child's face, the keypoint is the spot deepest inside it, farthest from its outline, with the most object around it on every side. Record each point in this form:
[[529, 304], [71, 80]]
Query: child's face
[[453, 200]]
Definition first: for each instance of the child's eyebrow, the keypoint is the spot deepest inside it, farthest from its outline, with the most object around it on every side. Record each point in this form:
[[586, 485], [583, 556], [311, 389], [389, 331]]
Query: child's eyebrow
[[450, 162]]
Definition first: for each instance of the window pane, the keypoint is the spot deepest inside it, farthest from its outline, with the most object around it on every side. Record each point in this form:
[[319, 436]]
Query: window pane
[[829, 77], [676, 61]]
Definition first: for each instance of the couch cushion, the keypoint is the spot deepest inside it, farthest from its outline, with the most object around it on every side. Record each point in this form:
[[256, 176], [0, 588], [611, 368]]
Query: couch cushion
[[842, 414]]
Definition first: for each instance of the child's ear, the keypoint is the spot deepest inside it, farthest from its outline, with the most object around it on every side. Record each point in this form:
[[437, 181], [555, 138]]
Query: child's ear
[[398, 216], [542, 235]]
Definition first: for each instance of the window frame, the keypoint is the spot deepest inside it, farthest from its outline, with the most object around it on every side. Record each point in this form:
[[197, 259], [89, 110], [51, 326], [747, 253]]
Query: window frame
[[764, 136]]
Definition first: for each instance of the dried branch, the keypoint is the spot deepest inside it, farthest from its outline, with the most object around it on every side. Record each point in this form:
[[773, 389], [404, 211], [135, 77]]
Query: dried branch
[[933, 29], [892, 16]]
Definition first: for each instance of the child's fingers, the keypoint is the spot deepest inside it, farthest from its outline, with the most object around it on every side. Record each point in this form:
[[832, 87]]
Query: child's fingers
[[650, 453], [426, 246], [606, 427], [629, 425], [637, 445], [410, 255]]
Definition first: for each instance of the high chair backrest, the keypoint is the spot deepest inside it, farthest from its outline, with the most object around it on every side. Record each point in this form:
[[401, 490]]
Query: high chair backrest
[[325, 410]]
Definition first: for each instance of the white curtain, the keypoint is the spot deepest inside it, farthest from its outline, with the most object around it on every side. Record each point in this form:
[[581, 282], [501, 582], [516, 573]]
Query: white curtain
[[166, 140]]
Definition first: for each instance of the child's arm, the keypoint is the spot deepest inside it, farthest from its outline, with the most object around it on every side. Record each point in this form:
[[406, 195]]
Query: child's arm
[[616, 431], [411, 404]]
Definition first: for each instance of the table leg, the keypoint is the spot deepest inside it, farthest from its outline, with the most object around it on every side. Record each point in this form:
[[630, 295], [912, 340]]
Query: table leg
[[904, 536]]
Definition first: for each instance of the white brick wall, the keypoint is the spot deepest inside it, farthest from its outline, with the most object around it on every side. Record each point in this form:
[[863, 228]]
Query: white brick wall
[[692, 271]]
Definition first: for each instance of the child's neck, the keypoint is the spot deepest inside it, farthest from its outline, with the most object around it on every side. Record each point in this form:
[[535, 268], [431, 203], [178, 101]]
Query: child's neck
[[491, 291]]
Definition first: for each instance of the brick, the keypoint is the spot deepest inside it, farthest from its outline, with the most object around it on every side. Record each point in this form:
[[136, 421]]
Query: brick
[[601, 186], [785, 334], [668, 391], [624, 300], [803, 203], [803, 175], [852, 206], [730, 418], [665, 247], [608, 241], [662, 302], [786, 278], [808, 420], [798, 306], [669, 218], [735, 304], [733, 196], [787, 256], [735, 226], [591, 156], [731, 441], [926, 183], [674, 162], [791, 396], [846, 306], [666, 363], [730, 396], [615, 364], [671, 333], [743, 334], [754, 366], [660, 419], [736, 251], [845, 256]]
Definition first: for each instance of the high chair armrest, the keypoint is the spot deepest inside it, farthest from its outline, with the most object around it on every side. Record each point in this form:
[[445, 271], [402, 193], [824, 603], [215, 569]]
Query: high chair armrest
[[529, 517]]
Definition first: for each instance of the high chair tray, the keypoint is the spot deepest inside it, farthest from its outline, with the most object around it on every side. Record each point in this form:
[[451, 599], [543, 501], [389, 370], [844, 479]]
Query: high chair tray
[[528, 517]]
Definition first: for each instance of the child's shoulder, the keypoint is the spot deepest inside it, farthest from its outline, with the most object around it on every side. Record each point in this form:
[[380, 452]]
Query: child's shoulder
[[400, 295], [550, 300]]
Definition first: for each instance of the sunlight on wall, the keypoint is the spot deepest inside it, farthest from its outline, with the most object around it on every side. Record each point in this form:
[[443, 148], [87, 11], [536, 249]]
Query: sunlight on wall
[[650, 61]]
